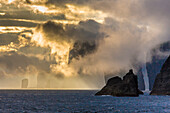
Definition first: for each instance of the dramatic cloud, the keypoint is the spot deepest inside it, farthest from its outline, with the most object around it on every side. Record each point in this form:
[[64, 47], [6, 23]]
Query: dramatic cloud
[[61, 38], [55, 43], [7, 38]]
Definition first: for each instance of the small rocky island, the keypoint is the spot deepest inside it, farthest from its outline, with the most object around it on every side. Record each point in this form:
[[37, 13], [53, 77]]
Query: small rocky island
[[118, 87], [162, 81]]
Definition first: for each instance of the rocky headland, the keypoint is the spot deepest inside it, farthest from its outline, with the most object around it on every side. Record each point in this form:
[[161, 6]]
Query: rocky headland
[[118, 87], [162, 82]]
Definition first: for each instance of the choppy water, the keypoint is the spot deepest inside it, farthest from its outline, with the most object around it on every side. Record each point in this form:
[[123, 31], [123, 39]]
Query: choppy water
[[44, 101]]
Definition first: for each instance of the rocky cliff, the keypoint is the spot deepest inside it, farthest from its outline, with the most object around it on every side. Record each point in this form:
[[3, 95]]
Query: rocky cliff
[[118, 87], [154, 67], [139, 73], [162, 81]]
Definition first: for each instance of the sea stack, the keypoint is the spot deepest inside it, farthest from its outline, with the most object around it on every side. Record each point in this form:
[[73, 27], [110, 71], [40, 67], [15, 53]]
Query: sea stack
[[162, 82], [118, 87], [24, 83]]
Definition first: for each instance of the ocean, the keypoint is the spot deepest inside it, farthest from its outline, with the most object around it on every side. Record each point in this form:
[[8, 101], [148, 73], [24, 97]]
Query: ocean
[[78, 101]]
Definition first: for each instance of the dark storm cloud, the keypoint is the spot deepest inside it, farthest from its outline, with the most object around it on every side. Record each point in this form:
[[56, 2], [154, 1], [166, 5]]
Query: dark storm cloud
[[15, 62], [23, 14], [63, 2], [59, 17], [16, 23], [28, 1], [29, 15], [34, 50], [27, 12], [134, 27], [7, 38], [38, 2], [60, 3], [84, 31], [142, 11]]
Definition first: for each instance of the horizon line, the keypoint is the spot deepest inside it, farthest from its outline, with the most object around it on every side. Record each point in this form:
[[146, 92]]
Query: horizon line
[[49, 88]]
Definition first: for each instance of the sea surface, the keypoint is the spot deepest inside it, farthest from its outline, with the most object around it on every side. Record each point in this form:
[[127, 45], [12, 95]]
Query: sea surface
[[55, 101]]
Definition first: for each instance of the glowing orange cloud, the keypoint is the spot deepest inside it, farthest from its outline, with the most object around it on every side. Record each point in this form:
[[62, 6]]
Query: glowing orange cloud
[[60, 50]]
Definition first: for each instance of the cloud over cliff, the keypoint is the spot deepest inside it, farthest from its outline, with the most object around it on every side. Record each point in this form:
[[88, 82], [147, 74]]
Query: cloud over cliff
[[64, 39]]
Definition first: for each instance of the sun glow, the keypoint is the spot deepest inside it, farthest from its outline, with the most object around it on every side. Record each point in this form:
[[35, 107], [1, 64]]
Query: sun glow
[[38, 1], [10, 47], [10, 1], [2, 14], [59, 50], [41, 9], [83, 13], [13, 29], [71, 12]]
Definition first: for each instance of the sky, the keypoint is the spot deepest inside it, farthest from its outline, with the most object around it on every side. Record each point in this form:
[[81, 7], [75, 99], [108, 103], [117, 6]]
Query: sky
[[74, 43]]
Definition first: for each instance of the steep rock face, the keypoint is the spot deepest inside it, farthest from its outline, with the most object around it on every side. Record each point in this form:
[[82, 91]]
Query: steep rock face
[[162, 81], [111, 75], [154, 67], [140, 75], [118, 87]]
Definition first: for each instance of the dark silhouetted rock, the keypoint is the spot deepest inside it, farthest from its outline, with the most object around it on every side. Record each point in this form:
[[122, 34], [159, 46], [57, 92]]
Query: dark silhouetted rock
[[154, 67], [118, 87], [24, 83], [162, 81], [141, 84], [108, 76], [140, 92]]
